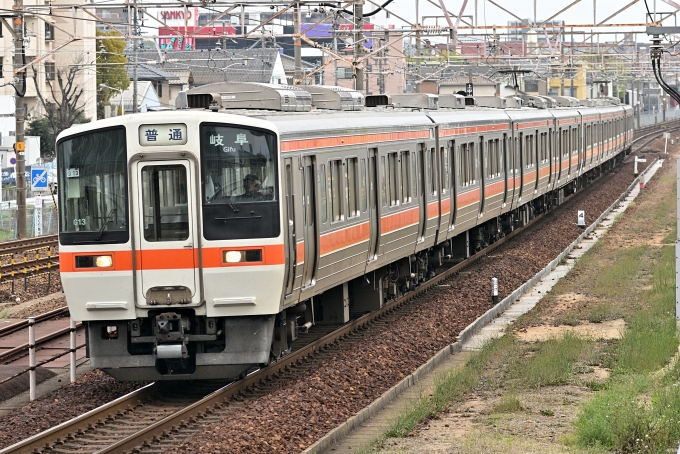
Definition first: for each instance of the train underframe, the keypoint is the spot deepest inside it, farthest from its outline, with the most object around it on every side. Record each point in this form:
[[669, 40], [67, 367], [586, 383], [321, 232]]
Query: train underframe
[[178, 344]]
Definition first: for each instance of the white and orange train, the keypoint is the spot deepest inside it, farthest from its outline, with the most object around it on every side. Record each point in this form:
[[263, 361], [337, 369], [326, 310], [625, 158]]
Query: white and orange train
[[195, 243]]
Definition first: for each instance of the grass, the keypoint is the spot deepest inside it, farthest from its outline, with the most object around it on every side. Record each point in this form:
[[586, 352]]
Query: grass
[[636, 412], [637, 409], [552, 363]]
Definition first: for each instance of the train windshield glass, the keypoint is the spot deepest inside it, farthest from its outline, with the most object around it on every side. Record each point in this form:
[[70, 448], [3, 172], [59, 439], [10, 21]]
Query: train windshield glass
[[93, 186], [239, 175], [239, 165]]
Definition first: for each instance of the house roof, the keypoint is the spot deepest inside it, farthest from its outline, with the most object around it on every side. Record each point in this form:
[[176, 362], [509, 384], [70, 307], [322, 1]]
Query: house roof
[[208, 66], [289, 64], [143, 86], [146, 72], [462, 80]]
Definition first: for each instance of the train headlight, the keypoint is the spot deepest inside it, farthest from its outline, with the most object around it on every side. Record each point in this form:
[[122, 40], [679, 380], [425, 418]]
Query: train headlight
[[103, 261], [232, 256], [94, 261], [250, 255]]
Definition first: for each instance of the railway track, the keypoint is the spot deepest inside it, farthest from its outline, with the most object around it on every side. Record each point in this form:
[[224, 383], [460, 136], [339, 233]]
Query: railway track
[[20, 246], [152, 426]]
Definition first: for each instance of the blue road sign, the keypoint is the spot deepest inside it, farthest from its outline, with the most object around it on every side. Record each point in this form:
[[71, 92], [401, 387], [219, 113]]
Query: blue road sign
[[38, 178], [12, 161]]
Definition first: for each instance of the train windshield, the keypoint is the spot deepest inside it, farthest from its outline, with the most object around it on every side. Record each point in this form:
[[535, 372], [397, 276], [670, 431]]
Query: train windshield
[[93, 188], [239, 182]]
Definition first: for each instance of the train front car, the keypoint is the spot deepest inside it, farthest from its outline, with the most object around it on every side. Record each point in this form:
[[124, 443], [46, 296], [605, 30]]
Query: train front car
[[170, 242]]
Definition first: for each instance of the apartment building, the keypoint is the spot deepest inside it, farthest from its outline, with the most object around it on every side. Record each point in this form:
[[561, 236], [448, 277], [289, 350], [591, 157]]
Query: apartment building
[[48, 31]]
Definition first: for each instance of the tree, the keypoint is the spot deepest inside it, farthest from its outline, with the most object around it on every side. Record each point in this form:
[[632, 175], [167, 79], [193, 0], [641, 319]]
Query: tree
[[111, 69], [63, 103], [42, 128]]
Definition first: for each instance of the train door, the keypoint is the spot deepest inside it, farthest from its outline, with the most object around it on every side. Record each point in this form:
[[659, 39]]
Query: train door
[[483, 162], [291, 239], [422, 177], [309, 219], [507, 165], [167, 223], [453, 172], [549, 154], [373, 204], [535, 158], [519, 163]]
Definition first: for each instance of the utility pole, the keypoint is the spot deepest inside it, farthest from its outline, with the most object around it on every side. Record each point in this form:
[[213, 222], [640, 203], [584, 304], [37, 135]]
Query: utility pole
[[134, 67], [358, 44], [297, 44], [419, 60], [20, 114]]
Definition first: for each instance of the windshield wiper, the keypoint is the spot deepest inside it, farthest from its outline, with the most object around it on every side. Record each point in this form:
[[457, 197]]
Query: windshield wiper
[[106, 221], [228, 199]]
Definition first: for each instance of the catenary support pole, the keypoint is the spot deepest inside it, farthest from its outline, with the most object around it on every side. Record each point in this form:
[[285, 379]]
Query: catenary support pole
[[20, 115]]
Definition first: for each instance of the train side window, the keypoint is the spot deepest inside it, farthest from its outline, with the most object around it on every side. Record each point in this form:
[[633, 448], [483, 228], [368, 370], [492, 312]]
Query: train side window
[[405, 162], [393, 178], [432, 171], [463, 168], [472, 162], [444, 159], [383, 181], [336, 191], [352, 188], [484, 156], [362, 185], [323, 194], [414, 175]]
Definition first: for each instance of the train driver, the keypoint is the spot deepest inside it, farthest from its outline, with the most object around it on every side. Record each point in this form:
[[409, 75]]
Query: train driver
[[251, 188]]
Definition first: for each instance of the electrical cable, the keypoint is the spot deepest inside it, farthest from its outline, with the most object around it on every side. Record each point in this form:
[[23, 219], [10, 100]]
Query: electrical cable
[[656, 65], [372, 13], [667, 88]]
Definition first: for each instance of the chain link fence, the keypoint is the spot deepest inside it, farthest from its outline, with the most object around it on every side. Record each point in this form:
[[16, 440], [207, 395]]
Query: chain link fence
[[8, 221]]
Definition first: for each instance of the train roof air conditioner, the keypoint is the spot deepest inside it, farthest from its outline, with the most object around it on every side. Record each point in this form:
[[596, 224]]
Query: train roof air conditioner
[[535, 101], [514, 102], [491, 101], [335, 98], [567, 101], [251, 95], [416, 101], [452, 101]]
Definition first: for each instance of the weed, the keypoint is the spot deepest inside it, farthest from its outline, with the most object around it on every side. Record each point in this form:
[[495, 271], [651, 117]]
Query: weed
[[600, 312], [508, 404], [4, 313], [547, 412]]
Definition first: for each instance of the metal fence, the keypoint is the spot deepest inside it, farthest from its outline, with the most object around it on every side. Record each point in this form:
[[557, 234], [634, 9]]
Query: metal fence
[[8, 221], [649, 118]]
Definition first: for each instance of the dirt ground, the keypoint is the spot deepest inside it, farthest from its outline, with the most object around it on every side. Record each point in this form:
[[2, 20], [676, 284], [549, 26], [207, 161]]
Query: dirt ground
[[544, 422]]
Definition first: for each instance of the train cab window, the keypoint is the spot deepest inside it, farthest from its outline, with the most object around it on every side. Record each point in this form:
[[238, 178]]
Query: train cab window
[[323, 195], [239, 176], [405, 163], [164, 203], [393, 179], [336, 189], [362, 185], [351, 190], [93, 193]]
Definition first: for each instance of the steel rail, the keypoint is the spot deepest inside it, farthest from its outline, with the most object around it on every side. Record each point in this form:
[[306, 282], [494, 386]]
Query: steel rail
[[5, 330], [19, 246], [23, 348], [188, 415]]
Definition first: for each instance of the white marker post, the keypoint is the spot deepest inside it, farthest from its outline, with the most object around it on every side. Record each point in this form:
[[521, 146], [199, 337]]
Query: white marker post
[[31, 357], [666, 135], [581, 219], [635, 171], [73, 350], [494, 290], [37, 216]]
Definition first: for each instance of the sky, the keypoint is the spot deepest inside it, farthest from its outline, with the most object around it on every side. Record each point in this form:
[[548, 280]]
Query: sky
[[489, 14]]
